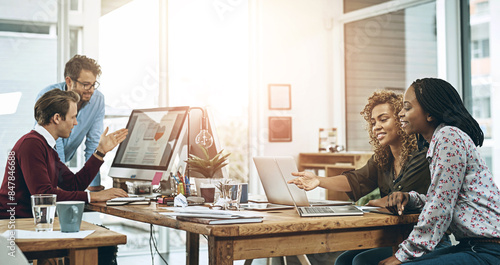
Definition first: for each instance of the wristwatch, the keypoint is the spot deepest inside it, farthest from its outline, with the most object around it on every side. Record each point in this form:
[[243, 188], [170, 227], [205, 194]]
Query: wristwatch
[[97, 152]]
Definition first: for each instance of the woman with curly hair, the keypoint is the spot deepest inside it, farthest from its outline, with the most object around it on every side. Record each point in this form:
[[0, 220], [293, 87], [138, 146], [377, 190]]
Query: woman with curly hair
[[398, 164]]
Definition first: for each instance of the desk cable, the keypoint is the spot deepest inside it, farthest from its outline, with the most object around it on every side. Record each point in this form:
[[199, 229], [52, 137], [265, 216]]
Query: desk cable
[[152, 242]]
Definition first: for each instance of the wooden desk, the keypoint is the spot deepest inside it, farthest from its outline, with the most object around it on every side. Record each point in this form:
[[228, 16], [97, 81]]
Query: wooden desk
[[283, 233], [80, 251], [333, 164]]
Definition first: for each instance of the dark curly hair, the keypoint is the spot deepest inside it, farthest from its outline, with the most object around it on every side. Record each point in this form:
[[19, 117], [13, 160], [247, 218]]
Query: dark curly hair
[[78, 63], [383, 155]]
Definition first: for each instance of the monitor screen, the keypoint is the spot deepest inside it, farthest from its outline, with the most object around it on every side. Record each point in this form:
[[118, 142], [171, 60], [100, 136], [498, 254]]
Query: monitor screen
[[154, 135]]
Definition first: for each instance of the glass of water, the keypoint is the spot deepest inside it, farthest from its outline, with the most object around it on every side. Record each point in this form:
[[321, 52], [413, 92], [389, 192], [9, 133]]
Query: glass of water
[[231, 194], [44, 211]]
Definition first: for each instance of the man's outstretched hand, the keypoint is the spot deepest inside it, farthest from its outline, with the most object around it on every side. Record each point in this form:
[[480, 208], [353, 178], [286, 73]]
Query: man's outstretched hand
[[110, 141]]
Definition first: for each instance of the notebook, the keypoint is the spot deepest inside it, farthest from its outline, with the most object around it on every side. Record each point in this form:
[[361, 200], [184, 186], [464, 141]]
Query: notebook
[[274, 173], [128, 201]]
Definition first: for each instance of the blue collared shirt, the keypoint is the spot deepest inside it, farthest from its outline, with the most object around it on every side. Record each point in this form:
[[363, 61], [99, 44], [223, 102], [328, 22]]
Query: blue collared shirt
[[90, 125]]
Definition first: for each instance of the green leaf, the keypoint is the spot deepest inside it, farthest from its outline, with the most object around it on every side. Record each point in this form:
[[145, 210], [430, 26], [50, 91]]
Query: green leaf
[[205, 151], [207, 166]]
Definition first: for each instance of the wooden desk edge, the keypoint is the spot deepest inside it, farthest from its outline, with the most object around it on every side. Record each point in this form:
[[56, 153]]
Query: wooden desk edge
[[285, 223], [101, 237]]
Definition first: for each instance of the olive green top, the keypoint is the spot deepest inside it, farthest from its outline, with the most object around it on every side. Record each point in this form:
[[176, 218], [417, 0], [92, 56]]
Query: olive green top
[[414, 176]]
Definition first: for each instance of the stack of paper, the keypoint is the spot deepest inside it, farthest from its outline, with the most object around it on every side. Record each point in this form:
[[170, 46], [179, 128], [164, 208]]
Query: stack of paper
[[217, 221], [128, 201], [207, 216]]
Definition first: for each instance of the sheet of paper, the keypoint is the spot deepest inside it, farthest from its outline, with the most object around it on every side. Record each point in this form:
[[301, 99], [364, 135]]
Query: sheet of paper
[[367, 208], [199, 211], [25, 234], [128, 199]]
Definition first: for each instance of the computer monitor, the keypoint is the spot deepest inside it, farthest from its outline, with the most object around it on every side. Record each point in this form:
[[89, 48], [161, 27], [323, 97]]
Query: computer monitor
[[152, 145]]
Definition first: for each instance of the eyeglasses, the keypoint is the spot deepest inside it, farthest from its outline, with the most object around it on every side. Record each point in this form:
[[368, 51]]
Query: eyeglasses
[[88, 86]]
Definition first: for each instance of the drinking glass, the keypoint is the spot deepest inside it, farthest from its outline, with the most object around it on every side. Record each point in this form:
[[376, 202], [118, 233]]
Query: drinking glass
[[44, 211], [231, 193]]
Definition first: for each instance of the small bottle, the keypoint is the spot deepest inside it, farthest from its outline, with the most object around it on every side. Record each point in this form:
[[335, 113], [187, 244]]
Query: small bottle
[[171, 188]]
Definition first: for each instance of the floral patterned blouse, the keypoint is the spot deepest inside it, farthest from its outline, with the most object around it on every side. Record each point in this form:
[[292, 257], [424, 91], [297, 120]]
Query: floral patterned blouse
[[462, 196]]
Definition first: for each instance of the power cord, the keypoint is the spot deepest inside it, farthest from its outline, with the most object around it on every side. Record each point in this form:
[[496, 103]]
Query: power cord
[[152, 243]]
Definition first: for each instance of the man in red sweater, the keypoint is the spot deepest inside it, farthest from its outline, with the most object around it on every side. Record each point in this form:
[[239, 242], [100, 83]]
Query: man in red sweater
[[34, 167]]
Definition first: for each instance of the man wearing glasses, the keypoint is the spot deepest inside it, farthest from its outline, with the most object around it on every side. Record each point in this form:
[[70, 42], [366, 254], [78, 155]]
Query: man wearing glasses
[[81, 75]]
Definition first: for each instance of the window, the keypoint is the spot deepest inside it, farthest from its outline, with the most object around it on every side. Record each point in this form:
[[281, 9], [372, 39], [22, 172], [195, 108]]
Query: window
[[483, 28], [352, 5], [74, 5], [133, 84], [388, 51], [17, 27], [28, 52], [481, 7], [209, 67], [480, 48], [74, 41]]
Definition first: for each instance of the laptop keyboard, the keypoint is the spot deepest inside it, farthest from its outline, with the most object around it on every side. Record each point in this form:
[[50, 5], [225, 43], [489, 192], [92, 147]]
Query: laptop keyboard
[[318, 210]]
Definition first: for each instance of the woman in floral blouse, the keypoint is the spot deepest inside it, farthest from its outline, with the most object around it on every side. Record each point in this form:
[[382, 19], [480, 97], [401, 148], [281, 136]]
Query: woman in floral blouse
[[398, 164], [462, 196]]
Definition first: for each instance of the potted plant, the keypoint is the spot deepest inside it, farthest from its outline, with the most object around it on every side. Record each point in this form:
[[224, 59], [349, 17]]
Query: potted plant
[[207, 167]]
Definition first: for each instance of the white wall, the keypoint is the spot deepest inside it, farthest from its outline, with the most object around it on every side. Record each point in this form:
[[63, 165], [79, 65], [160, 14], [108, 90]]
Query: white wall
[[294, 44]]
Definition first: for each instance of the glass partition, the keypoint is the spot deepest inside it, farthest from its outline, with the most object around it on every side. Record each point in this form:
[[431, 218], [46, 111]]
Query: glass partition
[[388, 51], [483, 59], [28, 56]]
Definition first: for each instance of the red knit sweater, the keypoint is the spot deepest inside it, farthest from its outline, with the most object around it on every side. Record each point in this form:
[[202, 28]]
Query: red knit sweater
[[33, 167]]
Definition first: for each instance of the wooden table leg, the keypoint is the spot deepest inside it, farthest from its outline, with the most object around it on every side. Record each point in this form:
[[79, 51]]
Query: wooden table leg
[[83, 256], [192, 248], [220, 251]]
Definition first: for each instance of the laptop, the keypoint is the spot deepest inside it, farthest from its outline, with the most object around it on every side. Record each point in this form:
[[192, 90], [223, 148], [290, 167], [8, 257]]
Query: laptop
[[274, 173]]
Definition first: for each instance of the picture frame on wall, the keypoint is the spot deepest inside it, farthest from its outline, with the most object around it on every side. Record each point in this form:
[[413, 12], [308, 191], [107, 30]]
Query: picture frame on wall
[[280, 129], [280, 96]]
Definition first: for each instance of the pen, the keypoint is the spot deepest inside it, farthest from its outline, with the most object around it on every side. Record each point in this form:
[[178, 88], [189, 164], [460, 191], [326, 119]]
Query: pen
[[187, 184], [181, 187], [176, 180]]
